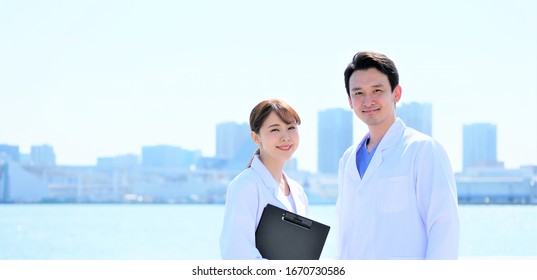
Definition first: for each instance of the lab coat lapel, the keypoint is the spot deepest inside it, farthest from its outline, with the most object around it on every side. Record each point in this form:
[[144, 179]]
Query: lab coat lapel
[[351, 167], [300, 201], [373, 165], [389, 139], [270, 183], [283, 199]]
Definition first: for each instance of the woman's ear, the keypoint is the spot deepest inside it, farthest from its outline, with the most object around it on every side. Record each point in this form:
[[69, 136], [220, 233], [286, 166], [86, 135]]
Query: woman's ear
[[255, 138]]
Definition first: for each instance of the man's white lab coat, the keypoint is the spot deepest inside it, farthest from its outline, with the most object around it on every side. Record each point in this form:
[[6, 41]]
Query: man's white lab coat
[[247, 196], [405, 207]]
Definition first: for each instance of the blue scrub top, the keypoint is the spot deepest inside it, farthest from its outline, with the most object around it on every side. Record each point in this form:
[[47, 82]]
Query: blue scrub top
[[363, 157]]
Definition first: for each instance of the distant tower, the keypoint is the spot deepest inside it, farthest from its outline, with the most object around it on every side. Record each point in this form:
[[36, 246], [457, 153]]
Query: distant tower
[[334, 137], [417, 116], [43, 156], [164, 156], [234, 144], [9, 151], [479, 145], [230, 137]]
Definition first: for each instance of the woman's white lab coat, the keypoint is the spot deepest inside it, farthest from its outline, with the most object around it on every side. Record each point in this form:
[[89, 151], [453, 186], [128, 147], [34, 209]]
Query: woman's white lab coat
[[405, 207], [247, 196]]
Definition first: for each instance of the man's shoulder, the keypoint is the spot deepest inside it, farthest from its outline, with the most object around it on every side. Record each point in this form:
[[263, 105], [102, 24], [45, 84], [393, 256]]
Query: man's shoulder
[[421, 142], [349, 150], [413, 136]]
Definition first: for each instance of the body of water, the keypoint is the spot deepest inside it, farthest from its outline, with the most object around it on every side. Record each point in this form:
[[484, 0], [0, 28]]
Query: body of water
[[191, 232]]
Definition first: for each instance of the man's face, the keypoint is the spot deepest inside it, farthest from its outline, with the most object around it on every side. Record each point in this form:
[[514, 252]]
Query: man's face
[[371, 97]]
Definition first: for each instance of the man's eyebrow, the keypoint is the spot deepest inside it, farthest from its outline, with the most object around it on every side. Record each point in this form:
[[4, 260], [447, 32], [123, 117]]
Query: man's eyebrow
[[375, 86]]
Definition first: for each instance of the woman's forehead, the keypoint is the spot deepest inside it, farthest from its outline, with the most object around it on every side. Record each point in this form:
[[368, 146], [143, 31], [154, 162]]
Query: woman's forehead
[[282, 118]]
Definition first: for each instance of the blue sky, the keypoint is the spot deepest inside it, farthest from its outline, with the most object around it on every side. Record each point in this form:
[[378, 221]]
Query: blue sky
[[104, 78]]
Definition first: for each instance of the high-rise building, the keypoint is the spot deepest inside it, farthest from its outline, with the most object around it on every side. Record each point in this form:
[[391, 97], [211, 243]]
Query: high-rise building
[[127, 161], [417, 116], [334, 137], [42, 156], [479, 145], [164, 156], [17, 184], [9, 152], [234, 144], [230, 137]]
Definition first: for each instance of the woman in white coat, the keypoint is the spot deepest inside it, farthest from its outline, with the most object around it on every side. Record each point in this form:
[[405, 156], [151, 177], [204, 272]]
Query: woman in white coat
[[274, 128], [397, 195]]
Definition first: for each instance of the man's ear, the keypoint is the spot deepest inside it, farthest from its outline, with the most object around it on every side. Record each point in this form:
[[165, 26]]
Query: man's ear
[[350, 101], [397, 93]]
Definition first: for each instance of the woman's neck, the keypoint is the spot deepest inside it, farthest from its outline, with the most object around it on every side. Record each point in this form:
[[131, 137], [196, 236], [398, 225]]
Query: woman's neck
[[274, 167]]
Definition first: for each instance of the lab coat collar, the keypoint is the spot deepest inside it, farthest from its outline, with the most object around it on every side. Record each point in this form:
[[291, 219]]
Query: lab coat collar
[[298, 198], [388, 140], [270, 183], [392, 135]]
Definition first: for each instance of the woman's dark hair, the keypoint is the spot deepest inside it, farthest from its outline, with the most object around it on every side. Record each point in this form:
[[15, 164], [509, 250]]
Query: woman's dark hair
[[262, 110]]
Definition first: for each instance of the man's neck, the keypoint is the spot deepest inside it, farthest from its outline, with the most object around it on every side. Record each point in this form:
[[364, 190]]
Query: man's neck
[[376, 133]]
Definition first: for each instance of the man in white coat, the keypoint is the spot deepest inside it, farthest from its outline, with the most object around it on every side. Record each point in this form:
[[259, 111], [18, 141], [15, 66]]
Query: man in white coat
[[397, 193]]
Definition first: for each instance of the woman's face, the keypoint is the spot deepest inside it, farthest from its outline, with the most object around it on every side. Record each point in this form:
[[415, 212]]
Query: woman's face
[[276, 139]]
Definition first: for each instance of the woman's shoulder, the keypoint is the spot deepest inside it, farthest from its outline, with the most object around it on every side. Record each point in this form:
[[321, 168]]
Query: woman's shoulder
[[244, 180]]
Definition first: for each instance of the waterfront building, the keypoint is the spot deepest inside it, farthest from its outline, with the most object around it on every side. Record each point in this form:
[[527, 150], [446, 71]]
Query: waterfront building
[[230, 137], [9, 152], [42, 155], [19, 185], [127, 161], [334, 137], [417, 116], [497, 185], [234, 144], [164, 156], [479, 145]]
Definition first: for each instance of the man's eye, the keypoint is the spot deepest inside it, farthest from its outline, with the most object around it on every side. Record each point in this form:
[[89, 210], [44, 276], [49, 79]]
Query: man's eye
[[273, 130], [358, 93]]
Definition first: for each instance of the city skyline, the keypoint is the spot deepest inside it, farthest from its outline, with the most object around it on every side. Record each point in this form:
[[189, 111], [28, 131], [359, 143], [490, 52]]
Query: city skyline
[[479, 147], [334, 136], [98, 79]]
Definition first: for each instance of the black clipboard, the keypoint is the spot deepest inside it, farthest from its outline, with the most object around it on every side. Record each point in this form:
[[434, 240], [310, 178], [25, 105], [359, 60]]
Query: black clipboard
[[283, 235]]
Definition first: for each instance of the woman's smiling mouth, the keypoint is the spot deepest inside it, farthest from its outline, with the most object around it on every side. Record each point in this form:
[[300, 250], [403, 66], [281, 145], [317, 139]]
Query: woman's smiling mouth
[[285, 148]]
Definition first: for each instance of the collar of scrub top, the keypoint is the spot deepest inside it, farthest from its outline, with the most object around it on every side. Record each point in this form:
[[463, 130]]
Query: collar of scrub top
[[270, 183], [389, 139]]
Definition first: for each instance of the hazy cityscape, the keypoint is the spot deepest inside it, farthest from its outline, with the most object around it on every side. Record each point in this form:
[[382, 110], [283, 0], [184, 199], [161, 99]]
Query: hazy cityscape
[[171, 174]]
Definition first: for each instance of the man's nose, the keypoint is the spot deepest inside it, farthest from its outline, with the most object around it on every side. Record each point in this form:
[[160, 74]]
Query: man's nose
[[368, 100]]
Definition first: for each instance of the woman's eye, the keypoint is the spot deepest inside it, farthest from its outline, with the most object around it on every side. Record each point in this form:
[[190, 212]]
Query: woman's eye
[[292, 127]]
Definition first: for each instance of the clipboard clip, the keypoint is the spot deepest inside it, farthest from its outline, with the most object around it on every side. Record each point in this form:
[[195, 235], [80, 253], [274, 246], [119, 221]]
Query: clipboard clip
[[297, 220]]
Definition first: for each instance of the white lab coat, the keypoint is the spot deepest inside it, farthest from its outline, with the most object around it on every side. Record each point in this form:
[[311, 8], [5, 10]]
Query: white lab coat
[[405, 207], [247, 196]]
